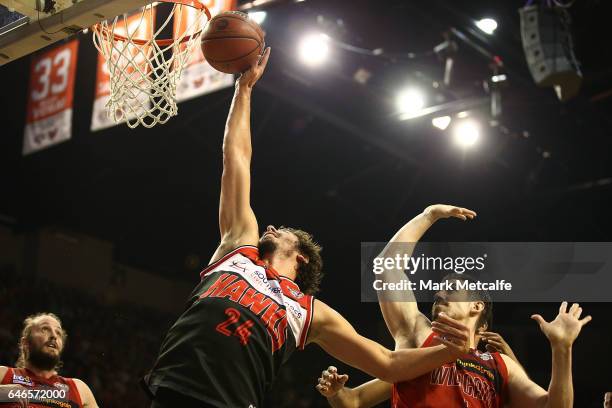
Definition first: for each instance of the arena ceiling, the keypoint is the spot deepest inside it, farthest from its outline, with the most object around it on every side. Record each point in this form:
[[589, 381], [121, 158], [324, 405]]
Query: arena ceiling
[[330, 154]]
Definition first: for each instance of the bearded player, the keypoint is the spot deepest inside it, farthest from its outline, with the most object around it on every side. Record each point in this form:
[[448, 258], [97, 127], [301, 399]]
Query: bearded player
[[40, 350], [254, 304], [475, 379]]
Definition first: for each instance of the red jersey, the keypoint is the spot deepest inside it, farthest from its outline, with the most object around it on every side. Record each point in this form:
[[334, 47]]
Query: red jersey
[[55, 392], [475, 380]]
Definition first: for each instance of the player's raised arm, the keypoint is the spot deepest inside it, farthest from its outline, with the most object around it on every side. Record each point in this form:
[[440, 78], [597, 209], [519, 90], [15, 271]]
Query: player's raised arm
[[337, 337], [408, 326], [237, 222], [561, 333]]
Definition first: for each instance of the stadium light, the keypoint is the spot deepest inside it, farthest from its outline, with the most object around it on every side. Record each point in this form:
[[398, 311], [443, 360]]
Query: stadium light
[[314, 49], [257, 16], [441, 122], [487, 25], [410, 102], [466, 133]]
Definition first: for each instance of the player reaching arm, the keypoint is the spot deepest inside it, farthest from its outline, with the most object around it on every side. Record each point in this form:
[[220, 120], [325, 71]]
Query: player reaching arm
[[522, 391], [407, 325], [255, 301], [561, 333], [338, 338], [410, 328], [331, 384], [238, 226], [237, 222]]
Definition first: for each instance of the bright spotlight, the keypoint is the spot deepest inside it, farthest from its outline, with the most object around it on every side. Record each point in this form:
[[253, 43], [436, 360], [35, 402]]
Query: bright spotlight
[[487, 25], [257, 16], [466, 133], [441, 122], [410, 102], [314, 48]]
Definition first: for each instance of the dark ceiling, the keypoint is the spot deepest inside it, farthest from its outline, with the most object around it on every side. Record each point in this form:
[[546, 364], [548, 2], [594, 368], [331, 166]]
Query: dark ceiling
[[330, 155]]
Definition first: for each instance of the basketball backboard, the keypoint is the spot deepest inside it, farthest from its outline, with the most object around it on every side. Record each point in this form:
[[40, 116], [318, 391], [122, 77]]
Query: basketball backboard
[[29, 25]]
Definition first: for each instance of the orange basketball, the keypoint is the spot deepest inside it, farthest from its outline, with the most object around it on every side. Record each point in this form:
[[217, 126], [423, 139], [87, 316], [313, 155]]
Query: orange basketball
[[232, 42]]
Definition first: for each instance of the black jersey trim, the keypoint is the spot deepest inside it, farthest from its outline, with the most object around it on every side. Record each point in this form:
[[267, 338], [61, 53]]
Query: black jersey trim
[[223, 258]]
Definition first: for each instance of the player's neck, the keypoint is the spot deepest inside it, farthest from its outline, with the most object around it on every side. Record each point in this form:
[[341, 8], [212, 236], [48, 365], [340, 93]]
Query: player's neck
[[46, 374], [474, 338], [282, 265], [473, 332]]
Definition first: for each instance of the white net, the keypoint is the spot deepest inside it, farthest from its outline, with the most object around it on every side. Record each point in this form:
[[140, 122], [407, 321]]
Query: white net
[[144, 71]]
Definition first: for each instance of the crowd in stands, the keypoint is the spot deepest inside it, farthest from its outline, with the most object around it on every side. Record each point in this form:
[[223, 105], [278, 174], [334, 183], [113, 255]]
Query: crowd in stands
[[112, 347]]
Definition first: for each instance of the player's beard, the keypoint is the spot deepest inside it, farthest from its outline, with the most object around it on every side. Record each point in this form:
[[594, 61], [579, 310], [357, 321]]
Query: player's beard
[[42, 360], [266, 247]]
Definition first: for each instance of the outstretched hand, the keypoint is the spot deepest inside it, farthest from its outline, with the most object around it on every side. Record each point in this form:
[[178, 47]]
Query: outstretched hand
[[249, 77], [565, 328], [438, 211], [495, 342], [453, 334], [331, 382]]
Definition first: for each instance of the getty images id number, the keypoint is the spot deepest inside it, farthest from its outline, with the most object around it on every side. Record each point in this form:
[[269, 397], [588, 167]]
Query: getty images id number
[[36, 394]]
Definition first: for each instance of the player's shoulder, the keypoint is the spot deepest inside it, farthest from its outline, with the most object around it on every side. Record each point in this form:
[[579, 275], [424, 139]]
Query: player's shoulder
[[3, 370], [80, 384], [322, 313], [227, 250], [512, 368], [85, 393], [507, 360]]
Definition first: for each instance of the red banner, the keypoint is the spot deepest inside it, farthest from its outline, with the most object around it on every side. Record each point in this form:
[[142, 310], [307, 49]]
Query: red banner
[[50, 97], [199, 78]]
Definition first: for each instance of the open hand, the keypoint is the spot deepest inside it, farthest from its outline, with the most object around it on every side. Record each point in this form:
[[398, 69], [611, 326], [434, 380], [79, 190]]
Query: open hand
[[454, 335], [565, 328], [438, 211], [249, 77], [495, 342], [331, 382]]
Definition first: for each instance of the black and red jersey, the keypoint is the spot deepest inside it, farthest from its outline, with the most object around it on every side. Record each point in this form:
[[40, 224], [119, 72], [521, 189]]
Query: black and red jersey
[[55, 391], [242, 322], [475, 380]]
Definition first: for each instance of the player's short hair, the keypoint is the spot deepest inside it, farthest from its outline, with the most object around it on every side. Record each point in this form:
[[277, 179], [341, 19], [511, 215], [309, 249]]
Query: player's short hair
[[310, 273], [485, 320], [28, 324]]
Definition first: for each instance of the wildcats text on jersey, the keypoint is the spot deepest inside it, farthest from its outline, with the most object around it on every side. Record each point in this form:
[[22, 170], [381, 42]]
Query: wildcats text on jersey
[[449, 375]]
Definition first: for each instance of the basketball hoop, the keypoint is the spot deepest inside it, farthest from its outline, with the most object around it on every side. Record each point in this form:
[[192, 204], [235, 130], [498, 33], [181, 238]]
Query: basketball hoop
[[144, 72]]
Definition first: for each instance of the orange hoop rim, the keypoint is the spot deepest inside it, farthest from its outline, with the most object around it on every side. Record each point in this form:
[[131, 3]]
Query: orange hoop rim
[[168, 41]]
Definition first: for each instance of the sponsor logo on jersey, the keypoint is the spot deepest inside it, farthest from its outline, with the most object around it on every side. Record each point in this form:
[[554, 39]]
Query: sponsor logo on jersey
[[23, 380], [61, 386], [296, 293], [294, 310], [485, 356], [256, 272]]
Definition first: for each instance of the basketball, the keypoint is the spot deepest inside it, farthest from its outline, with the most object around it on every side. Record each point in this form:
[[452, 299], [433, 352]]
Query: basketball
[[232, 42]]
